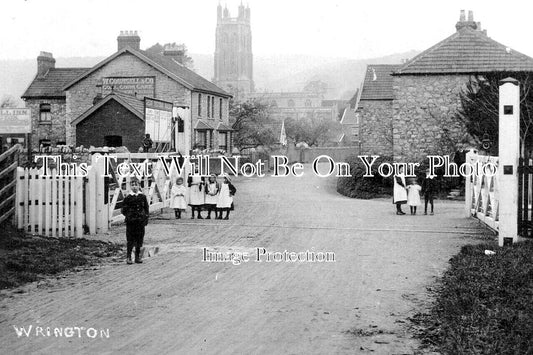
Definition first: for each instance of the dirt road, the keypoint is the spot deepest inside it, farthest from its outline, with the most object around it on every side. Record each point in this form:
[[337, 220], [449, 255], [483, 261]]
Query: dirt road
[[176, 303]]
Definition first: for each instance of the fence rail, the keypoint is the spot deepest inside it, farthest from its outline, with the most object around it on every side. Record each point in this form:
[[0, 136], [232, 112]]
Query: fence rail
[[481, 192]]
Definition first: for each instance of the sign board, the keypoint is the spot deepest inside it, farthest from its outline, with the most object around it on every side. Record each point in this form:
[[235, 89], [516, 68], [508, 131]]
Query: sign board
[[15, 120], [158, 119], [139, 86]]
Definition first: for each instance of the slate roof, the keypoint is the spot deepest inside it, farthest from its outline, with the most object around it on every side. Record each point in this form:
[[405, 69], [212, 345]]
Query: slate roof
[[222, 127], [378, 82], [51, 84], [467, 51], [131, 103], [167, 66], [201, 125]]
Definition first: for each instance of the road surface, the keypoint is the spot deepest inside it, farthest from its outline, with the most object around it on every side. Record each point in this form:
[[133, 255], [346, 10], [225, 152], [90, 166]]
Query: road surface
[[176, 303]]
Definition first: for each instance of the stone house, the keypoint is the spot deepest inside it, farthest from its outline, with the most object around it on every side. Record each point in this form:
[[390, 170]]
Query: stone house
[[47, 100], [418, 117], [100, 100]]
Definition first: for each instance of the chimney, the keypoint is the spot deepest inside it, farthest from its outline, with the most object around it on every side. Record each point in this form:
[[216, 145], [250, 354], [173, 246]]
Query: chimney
[[45, 62], [129, 39], [175, 51], [469, 23]]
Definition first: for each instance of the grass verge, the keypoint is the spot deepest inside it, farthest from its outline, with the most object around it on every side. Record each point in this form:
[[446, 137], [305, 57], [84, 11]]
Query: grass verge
[[26, 258], [484, 303]]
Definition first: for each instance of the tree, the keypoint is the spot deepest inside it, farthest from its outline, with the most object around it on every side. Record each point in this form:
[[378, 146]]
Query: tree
[[182, 58], [252, 124], [480, 105], [8, 101], [312, 129]]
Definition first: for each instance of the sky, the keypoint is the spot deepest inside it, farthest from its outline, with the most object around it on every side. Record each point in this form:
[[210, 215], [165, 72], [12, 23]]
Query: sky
[[335, 28]]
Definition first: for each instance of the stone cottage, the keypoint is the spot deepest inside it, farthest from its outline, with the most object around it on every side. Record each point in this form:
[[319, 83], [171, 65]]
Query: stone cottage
[[417, 117]]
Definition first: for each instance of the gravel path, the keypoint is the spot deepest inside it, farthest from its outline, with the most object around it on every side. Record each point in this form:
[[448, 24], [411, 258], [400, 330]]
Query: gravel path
[[175, 303]]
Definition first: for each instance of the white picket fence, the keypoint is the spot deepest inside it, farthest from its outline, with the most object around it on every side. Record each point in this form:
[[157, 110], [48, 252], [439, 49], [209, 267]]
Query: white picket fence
[[69, 206], [481, 192]]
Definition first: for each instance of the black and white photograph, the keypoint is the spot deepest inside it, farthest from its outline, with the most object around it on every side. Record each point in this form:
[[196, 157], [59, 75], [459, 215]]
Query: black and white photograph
[[266, 177]]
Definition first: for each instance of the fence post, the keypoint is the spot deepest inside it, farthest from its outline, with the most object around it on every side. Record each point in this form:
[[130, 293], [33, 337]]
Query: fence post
[[102, 214], [468, 186], [509, 132]]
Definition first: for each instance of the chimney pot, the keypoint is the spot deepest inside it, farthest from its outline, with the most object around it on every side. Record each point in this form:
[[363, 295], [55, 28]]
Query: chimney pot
[[128, 39], [462, 16], [470, 15], [45, 62]]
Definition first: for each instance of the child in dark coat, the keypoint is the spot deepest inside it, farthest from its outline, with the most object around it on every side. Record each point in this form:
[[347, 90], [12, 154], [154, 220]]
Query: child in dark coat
[[136, 210], [429, 189]]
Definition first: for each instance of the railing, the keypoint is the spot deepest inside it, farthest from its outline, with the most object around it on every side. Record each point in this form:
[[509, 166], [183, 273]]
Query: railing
[[481, 191]]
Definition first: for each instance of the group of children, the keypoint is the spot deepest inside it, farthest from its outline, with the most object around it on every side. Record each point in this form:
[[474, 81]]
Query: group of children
[[210, 195], [409, 192]]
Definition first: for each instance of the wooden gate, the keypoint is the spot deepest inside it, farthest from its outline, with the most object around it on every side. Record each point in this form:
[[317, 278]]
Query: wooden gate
[[50, 204], [525, 197], [481, 192], [8, 170]]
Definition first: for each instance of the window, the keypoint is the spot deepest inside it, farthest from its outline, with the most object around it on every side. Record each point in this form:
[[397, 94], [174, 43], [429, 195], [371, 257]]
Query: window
[[223, 141], [208, 106], [212, 107], [45, 113], [220, 109], [291, 103], [201, 139], [199, 104], [307, 103]]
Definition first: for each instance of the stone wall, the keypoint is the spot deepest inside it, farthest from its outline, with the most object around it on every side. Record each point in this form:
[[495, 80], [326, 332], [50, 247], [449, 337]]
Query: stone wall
[[423, 115], [55, 130], [80, 96], [375, 127]]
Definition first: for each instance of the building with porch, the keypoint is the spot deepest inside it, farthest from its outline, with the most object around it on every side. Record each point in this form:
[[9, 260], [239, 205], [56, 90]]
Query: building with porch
[[107, 104]]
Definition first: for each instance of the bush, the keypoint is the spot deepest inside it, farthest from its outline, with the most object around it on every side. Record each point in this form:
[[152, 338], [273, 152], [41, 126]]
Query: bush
[[358, 186]]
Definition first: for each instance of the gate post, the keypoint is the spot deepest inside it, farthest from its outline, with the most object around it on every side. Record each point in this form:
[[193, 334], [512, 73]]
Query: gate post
[[509, 132], [468, 186]]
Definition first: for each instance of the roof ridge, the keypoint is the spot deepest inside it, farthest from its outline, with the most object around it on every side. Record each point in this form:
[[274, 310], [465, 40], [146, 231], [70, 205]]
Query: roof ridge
[[429, 50]]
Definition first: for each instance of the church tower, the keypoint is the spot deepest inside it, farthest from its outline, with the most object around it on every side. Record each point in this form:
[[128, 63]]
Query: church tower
[[233, 52]]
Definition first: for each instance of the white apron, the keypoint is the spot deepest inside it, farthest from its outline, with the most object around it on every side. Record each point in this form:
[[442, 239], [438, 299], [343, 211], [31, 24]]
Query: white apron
[[196, 196], [224, 199], [211, 188], [400, 194]]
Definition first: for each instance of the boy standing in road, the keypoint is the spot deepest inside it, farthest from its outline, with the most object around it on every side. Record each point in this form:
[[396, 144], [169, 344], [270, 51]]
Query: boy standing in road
[[135, 209]]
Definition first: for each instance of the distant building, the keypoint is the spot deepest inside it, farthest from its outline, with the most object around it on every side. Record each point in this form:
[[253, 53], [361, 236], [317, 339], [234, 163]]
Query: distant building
[[407, 111], [296, 105], [108, 103], [233, 52], [350, 127]]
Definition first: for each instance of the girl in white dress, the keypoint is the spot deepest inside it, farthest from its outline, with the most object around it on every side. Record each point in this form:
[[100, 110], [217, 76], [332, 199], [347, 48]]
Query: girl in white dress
[[225, 197], [399, 193], [413, 196], [212, 188], [196, 194], [178, 197]]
